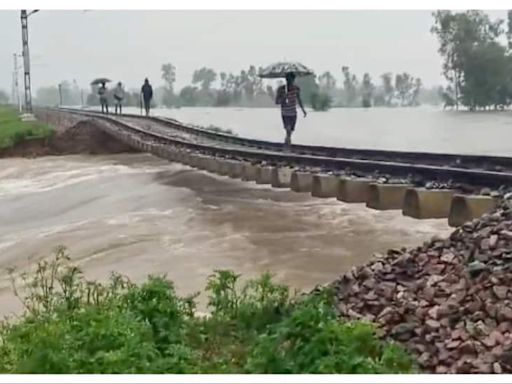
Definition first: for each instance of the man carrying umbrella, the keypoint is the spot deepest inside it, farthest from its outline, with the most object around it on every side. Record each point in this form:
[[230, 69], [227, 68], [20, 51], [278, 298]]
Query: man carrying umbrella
[[102, 92], [288, 95]]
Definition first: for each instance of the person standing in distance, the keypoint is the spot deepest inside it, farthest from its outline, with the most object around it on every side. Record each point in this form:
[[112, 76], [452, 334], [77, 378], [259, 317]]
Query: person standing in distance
[[102, 93], [119, 96], [288, 96], [147, 94]]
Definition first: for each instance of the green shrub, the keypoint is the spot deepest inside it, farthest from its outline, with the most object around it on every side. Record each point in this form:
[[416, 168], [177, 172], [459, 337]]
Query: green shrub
[[320, 101], [72, 325], [313, 340], [13, 131], [18, 137]]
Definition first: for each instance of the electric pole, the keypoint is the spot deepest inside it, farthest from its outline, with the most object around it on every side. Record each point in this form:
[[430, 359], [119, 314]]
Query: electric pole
[[13, 89], [26, 59], [15, 84]]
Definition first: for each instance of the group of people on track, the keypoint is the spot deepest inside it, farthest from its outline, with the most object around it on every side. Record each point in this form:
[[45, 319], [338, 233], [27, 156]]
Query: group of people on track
[[146, 95], [287, 96]]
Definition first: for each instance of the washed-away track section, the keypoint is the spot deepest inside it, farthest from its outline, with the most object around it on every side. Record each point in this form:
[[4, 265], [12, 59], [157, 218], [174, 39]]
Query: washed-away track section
[[420, 190]]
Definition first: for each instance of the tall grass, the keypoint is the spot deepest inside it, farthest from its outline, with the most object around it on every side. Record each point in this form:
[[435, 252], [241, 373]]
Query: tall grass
[[14, 131]]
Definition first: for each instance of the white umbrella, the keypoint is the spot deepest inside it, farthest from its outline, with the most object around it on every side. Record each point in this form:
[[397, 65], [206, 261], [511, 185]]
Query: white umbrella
[[281, 69], [278, 70]]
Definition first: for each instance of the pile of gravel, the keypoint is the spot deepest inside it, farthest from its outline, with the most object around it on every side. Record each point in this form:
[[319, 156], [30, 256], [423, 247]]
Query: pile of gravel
[[449, 301]]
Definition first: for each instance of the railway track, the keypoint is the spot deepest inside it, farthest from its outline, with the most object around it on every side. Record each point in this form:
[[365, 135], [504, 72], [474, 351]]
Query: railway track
[[490, 163], [456, 171]]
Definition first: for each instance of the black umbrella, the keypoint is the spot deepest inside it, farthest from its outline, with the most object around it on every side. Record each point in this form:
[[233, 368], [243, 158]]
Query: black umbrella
[[100, 80]]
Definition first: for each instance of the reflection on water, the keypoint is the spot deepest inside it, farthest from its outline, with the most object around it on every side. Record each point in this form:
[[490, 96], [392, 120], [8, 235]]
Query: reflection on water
[[425, 129], [140, 215]]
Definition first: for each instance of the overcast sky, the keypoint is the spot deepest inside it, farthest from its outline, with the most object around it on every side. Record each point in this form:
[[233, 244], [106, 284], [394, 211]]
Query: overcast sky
[[130, 45]]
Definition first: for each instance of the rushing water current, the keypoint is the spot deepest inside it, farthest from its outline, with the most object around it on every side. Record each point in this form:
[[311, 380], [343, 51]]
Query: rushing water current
[[139, 215]]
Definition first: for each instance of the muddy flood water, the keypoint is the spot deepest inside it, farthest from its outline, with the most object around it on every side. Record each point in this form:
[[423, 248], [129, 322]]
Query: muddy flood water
[[140, 215]]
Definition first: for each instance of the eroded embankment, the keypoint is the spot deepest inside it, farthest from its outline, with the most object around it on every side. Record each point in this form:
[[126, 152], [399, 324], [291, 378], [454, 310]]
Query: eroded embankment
[[73, 135]]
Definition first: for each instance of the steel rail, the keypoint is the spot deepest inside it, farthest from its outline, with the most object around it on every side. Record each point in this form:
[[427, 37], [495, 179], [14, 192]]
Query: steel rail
[[491, 163], [480, 178]]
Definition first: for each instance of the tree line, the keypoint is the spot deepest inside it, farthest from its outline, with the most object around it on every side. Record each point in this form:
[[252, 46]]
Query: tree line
[[246, 89], [477, 63]]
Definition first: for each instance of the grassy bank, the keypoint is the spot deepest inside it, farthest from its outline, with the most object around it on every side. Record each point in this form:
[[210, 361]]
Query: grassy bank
[[72, 325], [14, 131]]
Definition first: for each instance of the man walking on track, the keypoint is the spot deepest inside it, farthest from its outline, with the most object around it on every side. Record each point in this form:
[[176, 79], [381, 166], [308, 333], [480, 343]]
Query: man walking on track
[[288, 96], [147, 94]]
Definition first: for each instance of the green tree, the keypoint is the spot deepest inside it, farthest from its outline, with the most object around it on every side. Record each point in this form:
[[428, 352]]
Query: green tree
[[247, 85], [457, 34], [416, 92], [254, 84], [509, 29], [349, 87], [487, 73], [407, 89], [387, 85], [402, 87], [320, 101], [223, 97], [308, 87], [367, 90], [327, 82], [223, 80], [204, 77], [448, 96], [189, 96], [258, 82], [169, 76]]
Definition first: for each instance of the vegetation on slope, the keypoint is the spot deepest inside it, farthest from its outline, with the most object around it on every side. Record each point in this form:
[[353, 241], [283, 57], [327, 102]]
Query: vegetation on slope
[[14, 131], [73, 325]]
